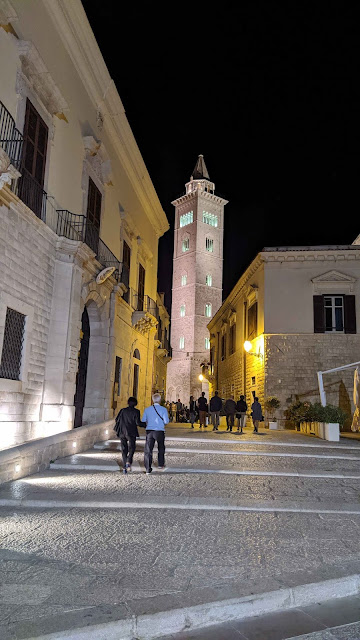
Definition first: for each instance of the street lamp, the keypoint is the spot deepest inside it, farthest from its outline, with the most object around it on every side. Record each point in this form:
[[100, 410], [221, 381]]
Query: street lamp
[[248, 346], [201, 377]]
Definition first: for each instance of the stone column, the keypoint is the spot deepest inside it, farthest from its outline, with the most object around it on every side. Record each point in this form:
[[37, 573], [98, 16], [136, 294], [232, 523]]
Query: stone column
[[57, 409]]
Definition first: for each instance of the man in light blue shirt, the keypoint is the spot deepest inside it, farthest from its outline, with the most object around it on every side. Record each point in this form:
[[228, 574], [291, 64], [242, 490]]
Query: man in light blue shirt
[[156, 417]]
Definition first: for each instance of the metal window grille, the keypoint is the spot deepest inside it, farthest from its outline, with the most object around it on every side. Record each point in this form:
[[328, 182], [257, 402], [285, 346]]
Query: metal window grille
[[11, 356]]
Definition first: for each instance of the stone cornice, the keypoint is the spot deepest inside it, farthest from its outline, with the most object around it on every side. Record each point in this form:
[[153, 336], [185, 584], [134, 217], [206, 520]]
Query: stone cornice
[[203, 194], [70, 20], [40, 79], [311, 255]]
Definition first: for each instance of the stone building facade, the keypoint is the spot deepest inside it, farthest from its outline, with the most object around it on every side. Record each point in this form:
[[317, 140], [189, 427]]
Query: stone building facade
[[299, 308], [197, 282], [162, 351], [79, 228]]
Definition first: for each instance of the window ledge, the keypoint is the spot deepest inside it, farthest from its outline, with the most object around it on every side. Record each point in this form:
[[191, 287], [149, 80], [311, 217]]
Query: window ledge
[[10, 385]]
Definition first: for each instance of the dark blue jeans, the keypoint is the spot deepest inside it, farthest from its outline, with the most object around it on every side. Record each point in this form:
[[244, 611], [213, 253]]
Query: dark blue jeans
[[153, 436]]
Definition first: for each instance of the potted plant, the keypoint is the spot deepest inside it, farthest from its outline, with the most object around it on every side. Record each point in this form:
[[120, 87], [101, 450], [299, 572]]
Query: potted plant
[[333, 418], [271, 404]]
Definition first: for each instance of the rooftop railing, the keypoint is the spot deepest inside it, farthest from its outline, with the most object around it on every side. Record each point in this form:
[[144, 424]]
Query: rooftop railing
[[11, 139]]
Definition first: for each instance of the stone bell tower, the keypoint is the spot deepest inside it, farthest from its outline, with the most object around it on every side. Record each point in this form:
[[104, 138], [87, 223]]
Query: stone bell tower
[[197, 282]]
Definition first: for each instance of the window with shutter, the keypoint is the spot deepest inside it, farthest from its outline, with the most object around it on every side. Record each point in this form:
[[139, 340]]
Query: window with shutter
[[141, 288], [319, 316], [252, 321], [334, 314], [349, 314], [33, 162], [93, 215]]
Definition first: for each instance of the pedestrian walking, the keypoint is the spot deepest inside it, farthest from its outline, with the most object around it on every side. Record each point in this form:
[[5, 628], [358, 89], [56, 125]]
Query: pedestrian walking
[[241, 408], [178, 410], [192, 409], [256, 414], [155, 417], [126, 428], [203, 407], [215, 408], [230, 408]]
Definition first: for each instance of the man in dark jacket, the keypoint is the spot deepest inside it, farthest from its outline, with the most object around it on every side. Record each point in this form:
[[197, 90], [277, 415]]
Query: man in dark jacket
[[215, 408], [126, 428], [241, 409], [203, 407], [230, 408], [256, 414]]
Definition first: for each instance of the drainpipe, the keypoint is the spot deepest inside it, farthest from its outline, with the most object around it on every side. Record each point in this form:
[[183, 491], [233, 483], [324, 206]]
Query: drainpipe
[[217, 361], [244, 352]]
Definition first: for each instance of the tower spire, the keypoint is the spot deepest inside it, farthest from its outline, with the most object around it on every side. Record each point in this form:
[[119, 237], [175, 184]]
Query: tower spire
[[200, 172]]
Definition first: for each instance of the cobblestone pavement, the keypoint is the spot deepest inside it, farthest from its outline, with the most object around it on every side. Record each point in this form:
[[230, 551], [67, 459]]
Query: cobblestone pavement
[[81, 546]]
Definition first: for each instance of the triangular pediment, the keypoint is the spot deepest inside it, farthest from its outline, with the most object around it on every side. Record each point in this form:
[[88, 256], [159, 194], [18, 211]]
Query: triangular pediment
[[333, 276]]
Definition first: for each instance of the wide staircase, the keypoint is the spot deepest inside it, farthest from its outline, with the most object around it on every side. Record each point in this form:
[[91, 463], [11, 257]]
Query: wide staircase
[[239, 530]]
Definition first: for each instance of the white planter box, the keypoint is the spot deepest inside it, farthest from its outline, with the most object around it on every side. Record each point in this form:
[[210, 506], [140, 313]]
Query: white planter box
[[332, 431], [273, 425], [321, 430]]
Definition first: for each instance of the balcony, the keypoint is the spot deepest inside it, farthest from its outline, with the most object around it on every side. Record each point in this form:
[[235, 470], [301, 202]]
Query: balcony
[[78, 227], [11, 140], [145, 311]]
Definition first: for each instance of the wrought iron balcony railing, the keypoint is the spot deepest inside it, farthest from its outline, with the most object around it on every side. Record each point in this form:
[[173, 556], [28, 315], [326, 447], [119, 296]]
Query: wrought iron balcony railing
[[78, 227], [31, 193], [143, 303], [11, 139]]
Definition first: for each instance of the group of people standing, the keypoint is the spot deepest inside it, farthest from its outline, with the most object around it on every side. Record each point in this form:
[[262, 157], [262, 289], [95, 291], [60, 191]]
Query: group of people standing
[[232, 409]]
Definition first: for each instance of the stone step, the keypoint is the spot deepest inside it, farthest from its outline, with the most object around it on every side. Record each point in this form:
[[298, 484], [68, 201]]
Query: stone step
[[214, 440], [334, 619]]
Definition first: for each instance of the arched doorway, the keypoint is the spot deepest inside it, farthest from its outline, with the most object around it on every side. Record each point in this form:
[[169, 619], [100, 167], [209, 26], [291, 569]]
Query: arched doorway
[[79, 398]]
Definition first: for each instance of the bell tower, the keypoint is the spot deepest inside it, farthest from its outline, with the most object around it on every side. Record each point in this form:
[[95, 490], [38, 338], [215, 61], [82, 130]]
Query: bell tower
[[197, 281]]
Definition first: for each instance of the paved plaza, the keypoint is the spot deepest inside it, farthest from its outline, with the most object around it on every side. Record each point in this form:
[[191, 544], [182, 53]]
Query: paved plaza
[[231, 517]]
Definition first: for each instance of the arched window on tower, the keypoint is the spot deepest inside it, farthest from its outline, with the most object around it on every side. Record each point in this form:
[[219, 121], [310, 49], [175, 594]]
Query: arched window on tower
[[182, 342], [208, 310], [183, 279], [209, 245], [182, 311], [208, 280], [185, 245]]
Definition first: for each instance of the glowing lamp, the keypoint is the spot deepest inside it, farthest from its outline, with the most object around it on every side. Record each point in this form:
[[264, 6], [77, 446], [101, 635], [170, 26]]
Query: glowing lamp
[[74, 444], [201, 377], [17, 468], [247, 346]]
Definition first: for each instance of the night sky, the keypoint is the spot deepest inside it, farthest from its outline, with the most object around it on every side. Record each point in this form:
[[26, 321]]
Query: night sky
[[267, 91]]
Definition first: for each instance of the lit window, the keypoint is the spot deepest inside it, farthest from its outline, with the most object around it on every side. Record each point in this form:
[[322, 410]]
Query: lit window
[[208, 280], [208, 310], [210, 218], [182, 311], [334, 313], [207, 343], [186, 218], [209, 245], [183, 280], [182, 342], [186, 244]]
